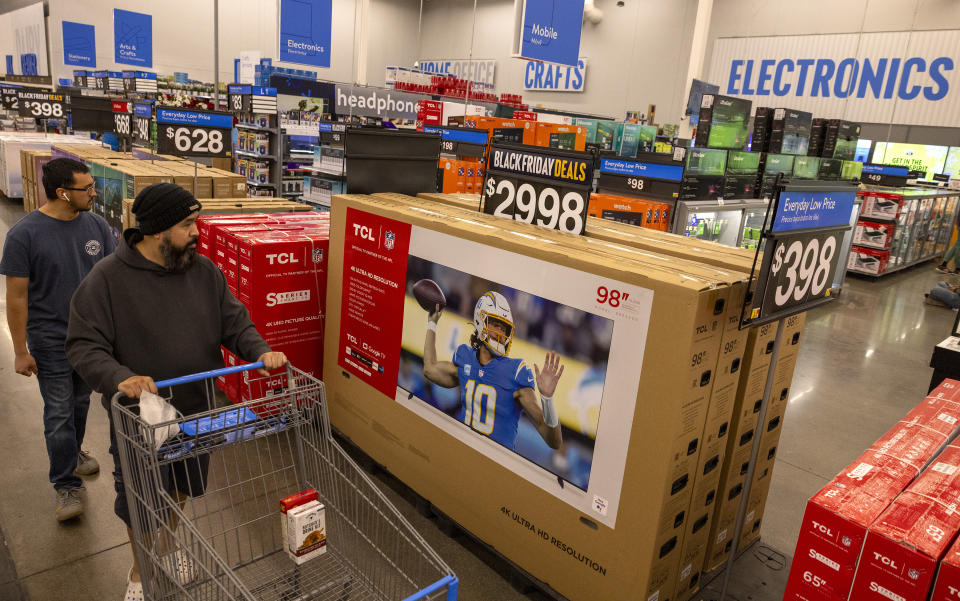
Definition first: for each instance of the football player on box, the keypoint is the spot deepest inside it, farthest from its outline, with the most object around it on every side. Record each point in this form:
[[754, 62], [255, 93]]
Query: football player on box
[[495, 387]]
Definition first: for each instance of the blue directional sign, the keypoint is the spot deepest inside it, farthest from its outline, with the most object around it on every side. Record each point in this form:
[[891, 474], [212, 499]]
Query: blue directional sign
[[804, 210]]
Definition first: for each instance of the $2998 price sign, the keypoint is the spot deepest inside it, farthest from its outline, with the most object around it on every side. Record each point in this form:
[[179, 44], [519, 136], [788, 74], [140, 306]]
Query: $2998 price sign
[[802, 269], [546, 204]]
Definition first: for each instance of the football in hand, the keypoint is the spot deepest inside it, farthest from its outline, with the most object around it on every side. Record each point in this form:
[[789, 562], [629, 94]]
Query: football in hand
[[429, 295]]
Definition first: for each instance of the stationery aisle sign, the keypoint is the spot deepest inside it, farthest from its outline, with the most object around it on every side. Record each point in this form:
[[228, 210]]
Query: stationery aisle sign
[[79, 44], [132, 38], [305, 31]]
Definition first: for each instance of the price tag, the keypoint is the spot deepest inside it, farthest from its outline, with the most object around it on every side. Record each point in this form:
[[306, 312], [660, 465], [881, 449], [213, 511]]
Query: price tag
[[534, 185], [638, 178], [884, 175], [803, 238], [41, 105], [79, 79], [122, 119], [9, 99], [142, 116], [194, 133]]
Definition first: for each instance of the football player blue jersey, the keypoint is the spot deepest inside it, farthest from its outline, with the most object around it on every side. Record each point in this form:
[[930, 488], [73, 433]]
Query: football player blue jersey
[[486, 394]]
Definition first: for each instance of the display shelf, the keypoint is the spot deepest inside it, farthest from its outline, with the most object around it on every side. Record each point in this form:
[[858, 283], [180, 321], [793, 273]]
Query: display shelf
[[894, 269], [272, 130], [250, 182], [254, 155]]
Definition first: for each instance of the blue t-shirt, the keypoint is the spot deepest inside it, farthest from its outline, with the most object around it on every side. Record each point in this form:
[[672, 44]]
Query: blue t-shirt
[[55, 255], [486, 393]]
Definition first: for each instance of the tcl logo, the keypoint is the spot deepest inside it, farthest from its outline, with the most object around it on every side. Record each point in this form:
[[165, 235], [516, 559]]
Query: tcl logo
[[363, 231], [954, 592], [282, 259], [885, 560], [823, 529]]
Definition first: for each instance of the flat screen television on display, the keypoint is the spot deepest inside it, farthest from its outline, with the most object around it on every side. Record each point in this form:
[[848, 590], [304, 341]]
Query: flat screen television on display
[[929, 158], [701, 161], [730, 123], [796, 132], [952, 166]]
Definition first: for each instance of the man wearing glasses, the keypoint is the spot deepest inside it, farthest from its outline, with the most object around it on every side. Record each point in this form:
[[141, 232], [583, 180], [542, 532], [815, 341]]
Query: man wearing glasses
[[45, 256]]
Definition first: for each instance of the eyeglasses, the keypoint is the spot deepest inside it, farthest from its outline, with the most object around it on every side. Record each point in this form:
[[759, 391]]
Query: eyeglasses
[[87, 189]]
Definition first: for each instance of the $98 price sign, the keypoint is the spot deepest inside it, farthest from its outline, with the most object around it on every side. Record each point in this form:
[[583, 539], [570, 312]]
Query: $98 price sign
[[802, 269]]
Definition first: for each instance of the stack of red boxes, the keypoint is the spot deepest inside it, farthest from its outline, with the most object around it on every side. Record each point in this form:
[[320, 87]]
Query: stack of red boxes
[[874, 232], [947, 587], [429, 112], [276, 265], [837, 518], [514, 100]]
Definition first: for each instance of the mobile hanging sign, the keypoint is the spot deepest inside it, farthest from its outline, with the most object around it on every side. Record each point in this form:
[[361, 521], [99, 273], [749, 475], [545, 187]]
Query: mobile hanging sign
[[551, 31], [803, 236], [194, 133], [546, 187], [641, 177], [41, 105]]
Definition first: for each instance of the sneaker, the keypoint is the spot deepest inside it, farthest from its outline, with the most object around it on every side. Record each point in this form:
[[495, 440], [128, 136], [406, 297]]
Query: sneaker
[[933, 302], [942, 268], [86, 464], [134, 589], [69, 503]]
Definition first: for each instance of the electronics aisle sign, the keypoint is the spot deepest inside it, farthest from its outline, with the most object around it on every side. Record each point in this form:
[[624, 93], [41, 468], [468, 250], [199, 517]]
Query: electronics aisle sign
[[804, 238], [546, 187], [305, 27], [132, 38], [551, 31], [186, 132], [41, 105], [555, 78], [79, 45]]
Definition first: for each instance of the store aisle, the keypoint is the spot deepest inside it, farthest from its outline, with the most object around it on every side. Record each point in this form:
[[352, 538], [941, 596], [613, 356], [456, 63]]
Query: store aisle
[[862, 365]]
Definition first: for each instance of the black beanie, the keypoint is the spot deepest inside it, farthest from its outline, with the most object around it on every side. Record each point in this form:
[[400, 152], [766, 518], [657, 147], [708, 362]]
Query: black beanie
[[159, 207]]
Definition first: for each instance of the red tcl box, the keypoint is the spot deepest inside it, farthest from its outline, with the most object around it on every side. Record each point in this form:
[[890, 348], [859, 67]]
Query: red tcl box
[[947, 587], [836, 519], [868, 260], [905, 544], [206, 222], [873, 234]]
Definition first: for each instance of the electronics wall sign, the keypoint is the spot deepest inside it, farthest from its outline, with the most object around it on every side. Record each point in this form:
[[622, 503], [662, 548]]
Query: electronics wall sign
[[41, 105], [874, 77], [193, 133], [555, 78], [549, 188], [551, 31], [657, 180], [803, 250]]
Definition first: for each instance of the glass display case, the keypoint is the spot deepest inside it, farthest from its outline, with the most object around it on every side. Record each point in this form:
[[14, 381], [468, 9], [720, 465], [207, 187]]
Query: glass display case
[[754, 212], [841, 273], [710, 220]]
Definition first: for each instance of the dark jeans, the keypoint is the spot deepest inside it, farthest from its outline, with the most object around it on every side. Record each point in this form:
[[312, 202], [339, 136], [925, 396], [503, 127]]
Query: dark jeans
[[66, 401]]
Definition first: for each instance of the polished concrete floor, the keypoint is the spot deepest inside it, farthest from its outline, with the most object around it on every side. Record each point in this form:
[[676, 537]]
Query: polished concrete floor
[[863, 364]]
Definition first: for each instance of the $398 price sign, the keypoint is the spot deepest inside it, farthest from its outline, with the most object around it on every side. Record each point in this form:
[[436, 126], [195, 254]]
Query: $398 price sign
[[191, 140], [802, 269], [547, 204], [41, 106]]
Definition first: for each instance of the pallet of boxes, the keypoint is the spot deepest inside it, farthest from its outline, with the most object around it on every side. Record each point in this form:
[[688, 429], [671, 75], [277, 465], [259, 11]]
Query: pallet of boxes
[[623, 507], [31, 170], [733, 411]]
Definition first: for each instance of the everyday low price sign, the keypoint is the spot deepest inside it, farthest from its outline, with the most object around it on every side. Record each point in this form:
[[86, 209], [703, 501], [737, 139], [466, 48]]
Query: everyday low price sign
[[549, 188], [194, 133], [641, 178]]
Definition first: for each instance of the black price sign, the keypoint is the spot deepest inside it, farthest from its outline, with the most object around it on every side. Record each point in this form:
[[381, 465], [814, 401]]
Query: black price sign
[[534, 185], [41, 105], [142, 115], [640, 178], [801, 269], [239, 103], [123, 125], [9, 99], [884, 175], [80, 81], [194, 133]]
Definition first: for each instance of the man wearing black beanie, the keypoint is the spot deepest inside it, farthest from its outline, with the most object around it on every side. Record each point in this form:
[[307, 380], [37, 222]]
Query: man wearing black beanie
[[156, 310]]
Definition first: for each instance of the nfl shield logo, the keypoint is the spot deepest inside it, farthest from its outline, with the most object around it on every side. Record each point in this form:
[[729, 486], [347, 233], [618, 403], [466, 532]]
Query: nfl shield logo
[[466, 369], [388, 239]]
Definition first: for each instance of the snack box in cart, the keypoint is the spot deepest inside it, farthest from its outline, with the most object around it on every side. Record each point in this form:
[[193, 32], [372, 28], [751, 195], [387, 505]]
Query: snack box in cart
[[836, 519], [905, 544]]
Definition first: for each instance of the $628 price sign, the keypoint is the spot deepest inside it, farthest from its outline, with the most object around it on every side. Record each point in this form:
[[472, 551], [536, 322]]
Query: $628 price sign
[[194, 140], [802, 268], [535, 202]]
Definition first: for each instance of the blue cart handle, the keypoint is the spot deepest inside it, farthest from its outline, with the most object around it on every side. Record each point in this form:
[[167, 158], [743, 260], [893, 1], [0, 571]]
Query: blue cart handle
[[204, 375]]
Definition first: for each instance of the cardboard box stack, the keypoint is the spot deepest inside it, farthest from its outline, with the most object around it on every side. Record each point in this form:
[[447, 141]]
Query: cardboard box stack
[[12, 143], [276, 265], [656, 494], [651, 214], [836, 521], [947, 585], [31, 168]]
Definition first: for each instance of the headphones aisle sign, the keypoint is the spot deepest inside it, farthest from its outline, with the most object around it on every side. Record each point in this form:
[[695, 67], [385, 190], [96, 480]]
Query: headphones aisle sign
[[41, 105], [546, 187], [185, 132], [804, 239]]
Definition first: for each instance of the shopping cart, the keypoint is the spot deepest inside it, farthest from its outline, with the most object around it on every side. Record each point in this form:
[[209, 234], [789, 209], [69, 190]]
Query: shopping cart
[[224, 541]]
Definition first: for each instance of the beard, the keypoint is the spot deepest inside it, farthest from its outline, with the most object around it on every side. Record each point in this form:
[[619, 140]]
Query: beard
[[178, 259]]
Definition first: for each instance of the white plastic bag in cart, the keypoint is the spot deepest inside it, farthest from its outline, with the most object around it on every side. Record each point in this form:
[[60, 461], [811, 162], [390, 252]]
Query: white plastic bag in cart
[[156, 410]]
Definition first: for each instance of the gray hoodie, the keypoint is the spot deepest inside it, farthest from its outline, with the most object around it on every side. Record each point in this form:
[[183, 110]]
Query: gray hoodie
[[130, 316]]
